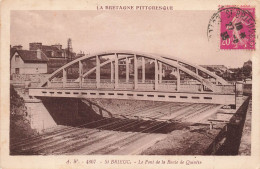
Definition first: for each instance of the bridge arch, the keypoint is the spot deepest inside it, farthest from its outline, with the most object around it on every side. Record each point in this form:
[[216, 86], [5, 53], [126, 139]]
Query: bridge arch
[[119, 55]]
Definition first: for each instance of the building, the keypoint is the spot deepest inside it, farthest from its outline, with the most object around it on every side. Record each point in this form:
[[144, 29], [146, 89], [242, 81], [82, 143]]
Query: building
[[53, 51], [28, 61], [57, 56], [219, 70]]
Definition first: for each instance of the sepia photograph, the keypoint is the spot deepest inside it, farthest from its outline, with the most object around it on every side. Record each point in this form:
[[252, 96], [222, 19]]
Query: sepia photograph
[[130, 85], [75, 90]]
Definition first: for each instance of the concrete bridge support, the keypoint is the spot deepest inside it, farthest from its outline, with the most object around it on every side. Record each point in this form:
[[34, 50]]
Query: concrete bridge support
[[40, 119]]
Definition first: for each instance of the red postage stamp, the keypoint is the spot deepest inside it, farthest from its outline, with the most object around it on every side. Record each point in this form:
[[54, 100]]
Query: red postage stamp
[[237, 28]]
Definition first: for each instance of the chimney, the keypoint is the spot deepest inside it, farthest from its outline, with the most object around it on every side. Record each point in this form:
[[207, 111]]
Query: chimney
[[18, 47], [59, 46], [35, 46], [38, 53]]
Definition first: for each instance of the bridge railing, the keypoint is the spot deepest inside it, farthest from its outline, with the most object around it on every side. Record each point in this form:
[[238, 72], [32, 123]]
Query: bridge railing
[[56, 84], [126, 86], [190, 88], [130, 81], [89, 85], [227, 88], [147, 86], [107, 85], [72, 84]]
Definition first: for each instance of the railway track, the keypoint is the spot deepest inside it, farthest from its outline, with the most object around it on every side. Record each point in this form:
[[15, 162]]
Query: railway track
[[72, 129], [108, 135]]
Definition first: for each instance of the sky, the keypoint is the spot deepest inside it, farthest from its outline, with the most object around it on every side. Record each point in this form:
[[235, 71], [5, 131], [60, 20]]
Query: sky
[[181, 34]]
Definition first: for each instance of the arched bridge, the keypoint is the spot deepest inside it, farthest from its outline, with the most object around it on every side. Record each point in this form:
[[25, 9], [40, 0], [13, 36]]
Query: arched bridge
[[131, 75]]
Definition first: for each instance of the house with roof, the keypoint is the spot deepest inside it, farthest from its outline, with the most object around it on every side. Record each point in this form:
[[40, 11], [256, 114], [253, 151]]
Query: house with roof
[[28, 61], [53, 51], [57, 56]]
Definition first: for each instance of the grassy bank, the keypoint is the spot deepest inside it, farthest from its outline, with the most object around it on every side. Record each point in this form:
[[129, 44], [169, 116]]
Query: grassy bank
[[19, 118]]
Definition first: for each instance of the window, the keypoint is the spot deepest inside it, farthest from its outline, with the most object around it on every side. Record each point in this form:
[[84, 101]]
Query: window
[[16, 58], [17, 70]]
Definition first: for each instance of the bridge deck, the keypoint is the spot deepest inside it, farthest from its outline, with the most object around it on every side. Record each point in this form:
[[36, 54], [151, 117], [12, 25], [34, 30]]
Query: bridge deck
[[214, 98]]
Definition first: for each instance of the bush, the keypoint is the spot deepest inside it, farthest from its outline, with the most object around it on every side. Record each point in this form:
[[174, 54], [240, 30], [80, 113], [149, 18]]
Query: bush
[[19, 124]]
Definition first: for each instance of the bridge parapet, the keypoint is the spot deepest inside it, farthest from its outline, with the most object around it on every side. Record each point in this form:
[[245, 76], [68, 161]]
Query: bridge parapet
[[171, 87]]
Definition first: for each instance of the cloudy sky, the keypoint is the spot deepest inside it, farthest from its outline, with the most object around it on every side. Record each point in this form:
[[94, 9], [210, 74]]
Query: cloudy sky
[[181, 34]]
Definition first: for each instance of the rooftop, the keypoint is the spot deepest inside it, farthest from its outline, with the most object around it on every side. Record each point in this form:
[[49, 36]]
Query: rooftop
[[30, 56]]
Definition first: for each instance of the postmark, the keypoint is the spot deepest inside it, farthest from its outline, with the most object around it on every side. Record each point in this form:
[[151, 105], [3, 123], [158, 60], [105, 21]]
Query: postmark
[[237, 27]]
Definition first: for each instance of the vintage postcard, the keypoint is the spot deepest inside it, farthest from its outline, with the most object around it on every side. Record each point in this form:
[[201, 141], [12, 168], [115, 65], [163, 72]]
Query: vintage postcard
[[130, 84]]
